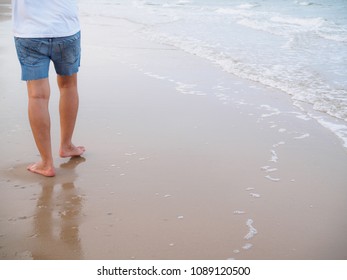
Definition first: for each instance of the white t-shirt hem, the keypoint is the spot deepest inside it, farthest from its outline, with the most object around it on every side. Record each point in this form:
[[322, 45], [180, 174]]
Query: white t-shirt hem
[[19, 35]]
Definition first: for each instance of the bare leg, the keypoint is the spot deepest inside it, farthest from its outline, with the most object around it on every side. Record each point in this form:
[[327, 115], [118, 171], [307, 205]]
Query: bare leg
[[39, 92], [68, 108]]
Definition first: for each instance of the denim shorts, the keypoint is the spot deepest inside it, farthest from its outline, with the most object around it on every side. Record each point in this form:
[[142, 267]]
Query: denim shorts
[[35, 54]]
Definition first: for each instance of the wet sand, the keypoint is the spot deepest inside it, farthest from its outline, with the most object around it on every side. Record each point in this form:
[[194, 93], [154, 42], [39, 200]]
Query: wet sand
[[183, 161], [5, 9]]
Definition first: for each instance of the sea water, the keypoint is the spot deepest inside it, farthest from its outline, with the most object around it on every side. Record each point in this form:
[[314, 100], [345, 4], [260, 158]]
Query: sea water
[[298, 47]]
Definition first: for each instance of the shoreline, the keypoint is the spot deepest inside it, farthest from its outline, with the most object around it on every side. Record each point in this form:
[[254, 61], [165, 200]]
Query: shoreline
[[184, 161]]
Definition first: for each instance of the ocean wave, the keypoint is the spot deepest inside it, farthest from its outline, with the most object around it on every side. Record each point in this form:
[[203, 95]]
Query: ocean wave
[[247, 6], [284, 25], [298, 82], [234, 11], [303, 22], [304, 3]]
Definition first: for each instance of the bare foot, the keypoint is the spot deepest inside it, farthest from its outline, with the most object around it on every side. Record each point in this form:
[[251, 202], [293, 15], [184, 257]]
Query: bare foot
[[41, 169], [71, 151]]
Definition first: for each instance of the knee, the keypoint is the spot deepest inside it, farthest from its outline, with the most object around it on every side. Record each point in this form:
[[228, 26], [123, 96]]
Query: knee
[[38, 90], [38, 96], [66, 82]]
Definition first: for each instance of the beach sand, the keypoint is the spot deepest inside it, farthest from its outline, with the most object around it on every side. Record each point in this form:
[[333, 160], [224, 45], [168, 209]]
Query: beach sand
[[183, 161], [5, 9]]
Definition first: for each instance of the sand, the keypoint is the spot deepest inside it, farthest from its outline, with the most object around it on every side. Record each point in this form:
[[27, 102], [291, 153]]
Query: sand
[[183, 161], [5, 9]]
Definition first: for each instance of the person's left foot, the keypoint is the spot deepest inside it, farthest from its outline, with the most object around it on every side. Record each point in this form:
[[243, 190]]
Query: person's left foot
[[71, 151]]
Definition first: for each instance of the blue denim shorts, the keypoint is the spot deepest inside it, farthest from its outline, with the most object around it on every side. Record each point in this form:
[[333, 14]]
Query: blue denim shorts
[[35, 55]]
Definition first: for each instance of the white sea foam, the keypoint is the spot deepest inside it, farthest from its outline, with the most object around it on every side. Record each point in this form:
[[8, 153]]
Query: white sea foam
[[188, 89], [274, 157], [233, 11], [219, 92], [183, 2], [340, 129], [303, 117], [251, 230], [304, 3], [152, 75], [247, 6], [130, 154], [272, 179], [247, 246], [278, 144], [302, 136], [273, 111], [268, 169], [254, 195], [304, 22]]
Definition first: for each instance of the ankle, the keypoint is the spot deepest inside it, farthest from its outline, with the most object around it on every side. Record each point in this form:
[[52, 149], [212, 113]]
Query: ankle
[[47, 164], [66, 145]]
